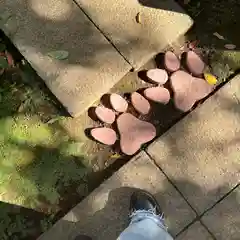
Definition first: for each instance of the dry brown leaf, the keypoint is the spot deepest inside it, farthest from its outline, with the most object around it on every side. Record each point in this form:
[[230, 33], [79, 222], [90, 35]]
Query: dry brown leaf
[[216, 34]]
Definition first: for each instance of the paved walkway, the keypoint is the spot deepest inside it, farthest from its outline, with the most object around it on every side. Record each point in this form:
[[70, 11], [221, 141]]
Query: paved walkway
[[104, 40], [193, 170]]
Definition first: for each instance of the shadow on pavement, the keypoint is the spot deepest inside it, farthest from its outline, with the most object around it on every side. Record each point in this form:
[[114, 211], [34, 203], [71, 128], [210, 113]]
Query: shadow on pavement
[[111, 220]]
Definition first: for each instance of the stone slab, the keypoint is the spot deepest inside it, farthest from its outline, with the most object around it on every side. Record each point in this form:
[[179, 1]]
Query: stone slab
[[195, 232], [161, 23], [104, 213], [224, 219], [39, 27], [201, 153]]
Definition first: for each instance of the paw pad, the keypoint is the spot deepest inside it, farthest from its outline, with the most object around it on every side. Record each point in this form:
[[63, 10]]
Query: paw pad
[[140, 103], [157, 94], [133, 133], [157, 75], [194, 63], [105, 115], [118, 103], [104, 135], [171, 61]]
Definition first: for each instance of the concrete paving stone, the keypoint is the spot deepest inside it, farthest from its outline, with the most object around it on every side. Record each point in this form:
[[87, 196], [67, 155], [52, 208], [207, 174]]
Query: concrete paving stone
[[195, 232], [201, 153], [160, 24], [39, 27], [104, 213], [224, 219]]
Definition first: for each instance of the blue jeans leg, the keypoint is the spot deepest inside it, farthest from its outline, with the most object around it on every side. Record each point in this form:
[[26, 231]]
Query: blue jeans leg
[[145, 225]]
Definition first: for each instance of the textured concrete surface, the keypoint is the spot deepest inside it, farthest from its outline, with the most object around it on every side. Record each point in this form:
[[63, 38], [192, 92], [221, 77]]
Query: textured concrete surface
[[201, 153], [224, 219], [161, 23], [38, 27], [104, 213], [195, 232]]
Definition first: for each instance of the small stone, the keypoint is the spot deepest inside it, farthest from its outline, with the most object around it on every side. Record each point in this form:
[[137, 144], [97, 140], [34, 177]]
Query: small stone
[[140, 103], [157, 94], [104, 114], [230, 46], [194, 63], [157, 75], [118, 102], [104, 135], [171, 61]]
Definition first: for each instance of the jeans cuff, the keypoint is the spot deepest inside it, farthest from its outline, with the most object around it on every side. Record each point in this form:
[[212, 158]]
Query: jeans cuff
[[140, 215]]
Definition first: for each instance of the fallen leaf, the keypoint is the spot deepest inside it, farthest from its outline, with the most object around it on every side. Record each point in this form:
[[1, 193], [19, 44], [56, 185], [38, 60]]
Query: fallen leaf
[[230, 46], [3, 62], [115, 156], [211, 79], [219, 36], [138, 18], [59, 54]]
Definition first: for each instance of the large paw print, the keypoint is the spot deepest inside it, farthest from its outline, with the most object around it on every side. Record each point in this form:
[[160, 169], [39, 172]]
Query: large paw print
[[132, 131], [181, 77]]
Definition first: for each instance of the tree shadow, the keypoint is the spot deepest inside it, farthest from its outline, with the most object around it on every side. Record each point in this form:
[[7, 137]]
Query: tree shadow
[[109, 221], [68, 27], [218, 17], [164, 5], [21, 223]]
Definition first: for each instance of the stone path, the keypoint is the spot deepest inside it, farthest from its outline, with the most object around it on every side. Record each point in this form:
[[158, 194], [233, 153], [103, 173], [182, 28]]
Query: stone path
[[193, 170], [160, 23], [101, 49]]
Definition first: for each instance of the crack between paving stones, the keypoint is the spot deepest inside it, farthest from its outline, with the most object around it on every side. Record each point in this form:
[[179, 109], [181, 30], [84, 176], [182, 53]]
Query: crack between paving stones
[[198, 217], [222, 198], [155, 163], [107, 38], [209, 232], [236, 97], [191, 223], [209, 208]]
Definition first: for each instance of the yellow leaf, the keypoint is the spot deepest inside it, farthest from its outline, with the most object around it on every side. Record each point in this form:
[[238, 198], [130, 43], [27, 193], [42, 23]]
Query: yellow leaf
[[212, 80], [115, 155]]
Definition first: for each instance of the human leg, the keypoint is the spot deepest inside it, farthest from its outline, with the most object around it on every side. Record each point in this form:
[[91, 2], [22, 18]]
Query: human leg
[[147, 222]]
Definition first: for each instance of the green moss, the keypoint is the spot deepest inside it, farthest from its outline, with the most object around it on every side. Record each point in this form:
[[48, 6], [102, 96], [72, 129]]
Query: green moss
[[38, 160]]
